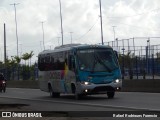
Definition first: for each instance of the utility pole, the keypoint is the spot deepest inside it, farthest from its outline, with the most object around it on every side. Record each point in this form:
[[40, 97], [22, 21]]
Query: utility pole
[[41, 45], [14, 4], [61, 20], [43, 34], [101, 22], [71, 36]]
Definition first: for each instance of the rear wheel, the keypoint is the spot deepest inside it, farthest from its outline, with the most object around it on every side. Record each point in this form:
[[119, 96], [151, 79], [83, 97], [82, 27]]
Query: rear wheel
[[111, 94], [52, 93]]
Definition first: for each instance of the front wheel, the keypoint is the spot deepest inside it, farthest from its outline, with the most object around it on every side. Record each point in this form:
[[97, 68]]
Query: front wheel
[[111, 94], [78, 96]]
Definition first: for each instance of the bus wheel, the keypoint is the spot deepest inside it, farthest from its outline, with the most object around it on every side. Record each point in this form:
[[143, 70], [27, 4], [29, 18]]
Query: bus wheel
[[52, 93], [110, 94], [78, 96]]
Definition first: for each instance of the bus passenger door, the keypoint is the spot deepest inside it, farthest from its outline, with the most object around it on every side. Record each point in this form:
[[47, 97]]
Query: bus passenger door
[[70, 76], [71, 63]]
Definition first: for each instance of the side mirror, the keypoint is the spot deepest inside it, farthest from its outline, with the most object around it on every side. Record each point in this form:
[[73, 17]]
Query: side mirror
[[116, 53]]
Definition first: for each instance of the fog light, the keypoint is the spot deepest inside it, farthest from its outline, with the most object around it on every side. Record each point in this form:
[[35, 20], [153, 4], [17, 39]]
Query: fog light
[[86, 90], [118, 88]]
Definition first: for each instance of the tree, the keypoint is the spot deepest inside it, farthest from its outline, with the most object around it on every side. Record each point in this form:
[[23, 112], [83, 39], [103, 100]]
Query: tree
[[26, 72], [127, 61], [17, 59], [25, 57], [30, 56]]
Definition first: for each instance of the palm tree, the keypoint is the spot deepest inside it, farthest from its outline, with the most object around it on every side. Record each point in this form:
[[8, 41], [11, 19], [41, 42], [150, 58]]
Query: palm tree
[[17, 59], [25, 57], [30, 56]]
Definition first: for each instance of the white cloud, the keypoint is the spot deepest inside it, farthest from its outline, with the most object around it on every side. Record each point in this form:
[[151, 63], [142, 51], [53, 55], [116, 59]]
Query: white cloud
[[78, 17]]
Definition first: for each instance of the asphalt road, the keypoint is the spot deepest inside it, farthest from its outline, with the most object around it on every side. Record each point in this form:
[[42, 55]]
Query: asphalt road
[[95, 105], [36, 100]]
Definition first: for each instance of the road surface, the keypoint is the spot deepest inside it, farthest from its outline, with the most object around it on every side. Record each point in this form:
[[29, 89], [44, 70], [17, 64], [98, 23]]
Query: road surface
[[34, 99]]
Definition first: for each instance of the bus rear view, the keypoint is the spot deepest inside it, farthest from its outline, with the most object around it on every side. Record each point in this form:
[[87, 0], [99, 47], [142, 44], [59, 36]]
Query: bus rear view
[[88, 69]]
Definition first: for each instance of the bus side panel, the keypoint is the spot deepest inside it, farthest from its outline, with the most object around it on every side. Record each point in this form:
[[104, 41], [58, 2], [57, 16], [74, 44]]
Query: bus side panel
[[61, 81], [43, 81]]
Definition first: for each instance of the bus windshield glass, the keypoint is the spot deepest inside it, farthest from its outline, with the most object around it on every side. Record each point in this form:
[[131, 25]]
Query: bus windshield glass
[[97, 60]]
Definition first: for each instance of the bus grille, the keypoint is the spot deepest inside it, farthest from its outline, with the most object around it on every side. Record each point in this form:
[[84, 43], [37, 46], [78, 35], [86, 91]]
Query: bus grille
[[103, 89]]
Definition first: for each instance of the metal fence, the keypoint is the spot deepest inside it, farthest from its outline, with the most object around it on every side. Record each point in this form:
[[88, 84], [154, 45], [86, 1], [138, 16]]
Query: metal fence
[[138, 62], [20, 72]]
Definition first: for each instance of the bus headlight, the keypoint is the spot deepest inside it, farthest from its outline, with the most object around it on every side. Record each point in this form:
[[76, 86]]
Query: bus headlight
[[86, 83], [117, 81]]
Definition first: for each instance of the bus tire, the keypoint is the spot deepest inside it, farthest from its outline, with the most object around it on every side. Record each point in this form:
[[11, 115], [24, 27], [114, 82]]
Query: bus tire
[[78, 96], [52, 93], [110, 94]]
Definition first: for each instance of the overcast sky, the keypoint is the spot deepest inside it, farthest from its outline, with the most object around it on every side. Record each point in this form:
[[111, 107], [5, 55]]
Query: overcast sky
[[132, 18]]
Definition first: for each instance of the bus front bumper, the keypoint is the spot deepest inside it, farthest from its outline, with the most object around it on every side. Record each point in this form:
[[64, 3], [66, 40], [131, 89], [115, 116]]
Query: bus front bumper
[[99, 88]]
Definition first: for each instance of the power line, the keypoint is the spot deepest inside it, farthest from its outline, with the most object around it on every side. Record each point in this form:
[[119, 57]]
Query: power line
[[88, 30]]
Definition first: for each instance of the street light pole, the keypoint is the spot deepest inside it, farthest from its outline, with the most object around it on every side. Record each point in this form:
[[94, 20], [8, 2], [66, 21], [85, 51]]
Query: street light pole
[[43, 34], [14, 4], [101, 22], [61, 20], [40, 45], [5, 44], [114, 33]]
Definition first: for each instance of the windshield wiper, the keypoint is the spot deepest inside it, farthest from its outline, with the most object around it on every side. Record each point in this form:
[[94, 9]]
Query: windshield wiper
[[97, 59], [95, 62], [102, 63]]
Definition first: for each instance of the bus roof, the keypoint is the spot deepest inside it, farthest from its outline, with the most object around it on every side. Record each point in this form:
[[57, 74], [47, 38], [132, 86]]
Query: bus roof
[[71, 46]]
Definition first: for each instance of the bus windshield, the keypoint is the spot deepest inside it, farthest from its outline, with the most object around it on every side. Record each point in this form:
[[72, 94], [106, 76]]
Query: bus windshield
[[97, 60]]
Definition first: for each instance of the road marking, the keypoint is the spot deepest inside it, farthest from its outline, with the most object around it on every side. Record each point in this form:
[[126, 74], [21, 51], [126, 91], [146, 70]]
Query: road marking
[[84, 104]]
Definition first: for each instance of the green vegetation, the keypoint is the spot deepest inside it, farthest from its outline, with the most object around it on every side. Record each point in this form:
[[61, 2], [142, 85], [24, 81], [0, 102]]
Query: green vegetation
[[13, 70]]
